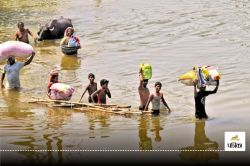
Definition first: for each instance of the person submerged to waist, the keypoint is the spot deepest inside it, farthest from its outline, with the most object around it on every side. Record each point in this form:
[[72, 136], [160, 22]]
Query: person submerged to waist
[[156, 102]]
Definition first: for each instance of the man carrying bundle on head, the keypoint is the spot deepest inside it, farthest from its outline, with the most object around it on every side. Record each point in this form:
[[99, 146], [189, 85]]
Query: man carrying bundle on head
[[12, 70], [200, 96], [145, 73]]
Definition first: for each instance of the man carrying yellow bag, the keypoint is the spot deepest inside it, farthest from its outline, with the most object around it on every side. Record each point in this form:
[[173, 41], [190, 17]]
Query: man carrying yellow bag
[[200, 77], [145, 73], [201, 95]]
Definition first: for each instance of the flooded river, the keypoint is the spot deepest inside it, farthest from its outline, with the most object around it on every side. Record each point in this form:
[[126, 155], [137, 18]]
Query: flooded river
[[116, 36]]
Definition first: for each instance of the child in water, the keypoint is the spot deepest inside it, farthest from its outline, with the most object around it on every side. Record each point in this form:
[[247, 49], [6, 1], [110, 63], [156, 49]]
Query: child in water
[[102, 92], [69, 39], [91, 88], [156, 99]]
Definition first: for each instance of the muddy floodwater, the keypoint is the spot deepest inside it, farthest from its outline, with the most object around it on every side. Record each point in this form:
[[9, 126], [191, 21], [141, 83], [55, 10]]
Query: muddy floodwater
[[116, 36]]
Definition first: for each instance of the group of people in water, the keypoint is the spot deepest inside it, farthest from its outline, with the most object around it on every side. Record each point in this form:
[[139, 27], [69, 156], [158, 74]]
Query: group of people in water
[[12, 68]]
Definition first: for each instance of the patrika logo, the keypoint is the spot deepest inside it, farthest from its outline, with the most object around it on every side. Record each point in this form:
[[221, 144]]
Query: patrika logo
[[235, 138], [235, 141]]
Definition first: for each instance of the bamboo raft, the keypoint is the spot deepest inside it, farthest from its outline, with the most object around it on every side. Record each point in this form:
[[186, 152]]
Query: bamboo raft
[[108, 108]]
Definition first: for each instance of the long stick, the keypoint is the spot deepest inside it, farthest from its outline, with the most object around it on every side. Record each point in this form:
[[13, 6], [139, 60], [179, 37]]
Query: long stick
[[64, 101], [77, 103]]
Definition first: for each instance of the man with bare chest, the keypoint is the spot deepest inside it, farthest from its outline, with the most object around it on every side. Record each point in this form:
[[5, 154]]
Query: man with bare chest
[[22, 33], [143, 92]]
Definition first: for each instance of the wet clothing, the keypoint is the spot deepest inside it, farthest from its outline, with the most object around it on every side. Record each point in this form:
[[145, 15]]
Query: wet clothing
[[200, 98], [70, 41], [155, 112], [73, 41], [156, 102], [12, 72]]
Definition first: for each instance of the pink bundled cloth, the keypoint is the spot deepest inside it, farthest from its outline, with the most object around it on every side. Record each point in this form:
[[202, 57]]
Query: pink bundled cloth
[[61, 91], [15, 48]]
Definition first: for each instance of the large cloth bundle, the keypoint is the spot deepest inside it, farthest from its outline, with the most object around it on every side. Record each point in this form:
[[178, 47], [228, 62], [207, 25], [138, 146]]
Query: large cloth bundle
[[205, 75], [146, 70], [16, 49], [61, 91]]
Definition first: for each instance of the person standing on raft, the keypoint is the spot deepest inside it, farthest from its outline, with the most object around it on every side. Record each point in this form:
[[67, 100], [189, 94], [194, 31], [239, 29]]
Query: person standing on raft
[[12, 70]]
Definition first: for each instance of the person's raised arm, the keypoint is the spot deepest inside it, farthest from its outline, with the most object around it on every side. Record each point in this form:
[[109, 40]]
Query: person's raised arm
[[141, 79], [149, 100], [64, 41], [108, 93], [195, 90], [216, 88], [165, 103], [30, 59]]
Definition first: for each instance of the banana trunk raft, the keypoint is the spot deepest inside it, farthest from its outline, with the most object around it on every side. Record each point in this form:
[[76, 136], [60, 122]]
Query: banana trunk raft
[[108, 108]]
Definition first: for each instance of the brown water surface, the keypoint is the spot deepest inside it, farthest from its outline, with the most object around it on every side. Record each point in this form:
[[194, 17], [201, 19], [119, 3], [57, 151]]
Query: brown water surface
[[117, 35]]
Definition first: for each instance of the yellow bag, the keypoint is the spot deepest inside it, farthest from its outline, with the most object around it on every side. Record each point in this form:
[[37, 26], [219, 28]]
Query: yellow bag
[[188, 78], [210, 74], [205, 72], [146, 70]]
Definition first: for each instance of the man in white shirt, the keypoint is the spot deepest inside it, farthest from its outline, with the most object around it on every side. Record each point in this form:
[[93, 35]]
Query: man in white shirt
[[12, 69]]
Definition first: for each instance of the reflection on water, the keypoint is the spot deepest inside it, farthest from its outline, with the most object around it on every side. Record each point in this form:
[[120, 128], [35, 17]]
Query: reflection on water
[[13, 104], [57, 118], [156, 128], [59, 156], [117, 35], [70, 63], [98, 122], [98, 3], [153, 125], [145, 141], [201, 142], [52, 137]]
